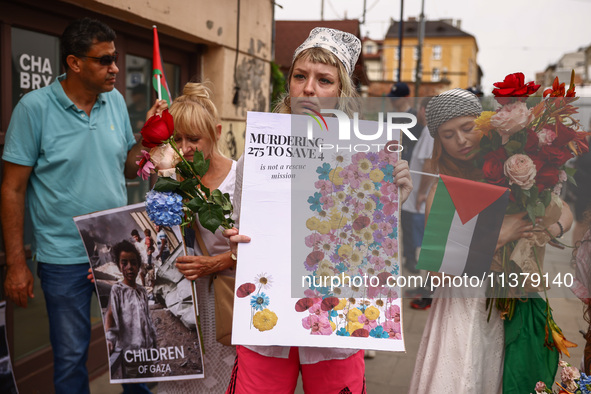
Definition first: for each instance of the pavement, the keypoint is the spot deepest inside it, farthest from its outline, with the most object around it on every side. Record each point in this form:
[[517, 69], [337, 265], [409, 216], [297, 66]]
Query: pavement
[[390, 372]]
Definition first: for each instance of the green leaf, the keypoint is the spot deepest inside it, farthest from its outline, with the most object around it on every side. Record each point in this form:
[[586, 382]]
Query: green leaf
[[571, 180], [195, 204], [217, 197], [539, 210], [512, 147], [205, 191], [531, 213], [184, 170], [570, 170], [200, 165], [496, 141], [166, 184], [546, 197], [210, 216], [227, 205], [189, 185]]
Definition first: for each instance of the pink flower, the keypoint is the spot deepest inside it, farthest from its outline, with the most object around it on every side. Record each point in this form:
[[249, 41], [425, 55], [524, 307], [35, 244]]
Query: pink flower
[[324, 187], [562, 176], [546, 136], [511, 118], [367, 324], [392, 328], [313, 239], [521, 171], [386, 228], [358, 156], [327, 202], [146, 166], [377, 262], [540, 387], [569, 374], [317, 325], [390, 246], [388, 157], [388, 188], [316, 309], [390, 207], [393, 313]]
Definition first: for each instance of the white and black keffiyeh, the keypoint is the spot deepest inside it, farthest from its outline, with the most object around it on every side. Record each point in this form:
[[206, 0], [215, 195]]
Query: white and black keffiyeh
[[449, 105], [345, 46]]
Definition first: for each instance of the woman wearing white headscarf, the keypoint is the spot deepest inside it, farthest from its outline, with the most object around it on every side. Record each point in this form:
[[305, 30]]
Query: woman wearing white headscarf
[[320, 77]]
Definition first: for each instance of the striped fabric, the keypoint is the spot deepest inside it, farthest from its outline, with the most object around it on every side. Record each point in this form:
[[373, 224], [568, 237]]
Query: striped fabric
[[463, 227]]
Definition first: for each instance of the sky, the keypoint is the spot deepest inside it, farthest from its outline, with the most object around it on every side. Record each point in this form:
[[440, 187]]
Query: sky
[[512, 35]]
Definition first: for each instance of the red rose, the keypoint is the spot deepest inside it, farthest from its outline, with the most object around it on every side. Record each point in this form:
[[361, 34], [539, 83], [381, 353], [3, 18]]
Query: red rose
[[492, 168], [531, 144], [554, 155], [547, 177], [514, 86], [538, 162], [157, 129]]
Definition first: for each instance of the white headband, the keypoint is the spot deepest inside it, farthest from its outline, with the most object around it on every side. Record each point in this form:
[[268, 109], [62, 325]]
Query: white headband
[[345, 46]]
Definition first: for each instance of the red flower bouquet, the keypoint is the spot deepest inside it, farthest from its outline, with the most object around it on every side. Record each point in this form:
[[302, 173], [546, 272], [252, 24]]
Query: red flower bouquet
[[525, 145], [212, 208]]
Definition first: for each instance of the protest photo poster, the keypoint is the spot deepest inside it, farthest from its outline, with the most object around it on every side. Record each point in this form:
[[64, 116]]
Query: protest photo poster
[[147, 306], [322, 212], [7, 381]]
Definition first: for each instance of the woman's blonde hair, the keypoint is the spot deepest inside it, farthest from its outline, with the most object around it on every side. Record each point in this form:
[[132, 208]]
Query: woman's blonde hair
[[347, 90], [195, 114]]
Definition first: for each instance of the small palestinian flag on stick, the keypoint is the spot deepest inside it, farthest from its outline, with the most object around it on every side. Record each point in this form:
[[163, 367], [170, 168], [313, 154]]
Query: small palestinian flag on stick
[[158, 79], [463, 227]]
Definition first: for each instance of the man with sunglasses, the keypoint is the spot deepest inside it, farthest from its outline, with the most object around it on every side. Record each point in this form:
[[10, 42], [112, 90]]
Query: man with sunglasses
[[68, 147]]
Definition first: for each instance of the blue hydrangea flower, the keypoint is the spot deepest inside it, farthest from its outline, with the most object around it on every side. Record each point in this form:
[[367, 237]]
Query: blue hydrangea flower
[[164, 208], [314, 202], [259, 301], [379, 332], [585, 383], [342, 332], [323, 172]]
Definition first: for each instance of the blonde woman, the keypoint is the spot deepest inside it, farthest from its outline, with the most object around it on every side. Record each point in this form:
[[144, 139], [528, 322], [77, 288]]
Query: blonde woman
[[198, 127]]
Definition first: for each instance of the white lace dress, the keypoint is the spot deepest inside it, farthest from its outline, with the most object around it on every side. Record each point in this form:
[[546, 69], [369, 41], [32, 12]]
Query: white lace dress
[[218, 360], [460, 352]]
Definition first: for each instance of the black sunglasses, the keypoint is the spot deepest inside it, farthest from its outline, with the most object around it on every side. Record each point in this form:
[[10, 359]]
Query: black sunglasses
[[105, 60]]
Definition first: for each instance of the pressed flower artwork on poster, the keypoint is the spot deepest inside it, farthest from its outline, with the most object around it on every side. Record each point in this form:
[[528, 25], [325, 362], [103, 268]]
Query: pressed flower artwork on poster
[[179, 202], [351, 317], [353, 236], [262, 318]]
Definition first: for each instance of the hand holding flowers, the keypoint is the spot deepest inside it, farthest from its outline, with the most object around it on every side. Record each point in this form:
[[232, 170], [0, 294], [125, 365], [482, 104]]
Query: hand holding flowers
[[212, 208]]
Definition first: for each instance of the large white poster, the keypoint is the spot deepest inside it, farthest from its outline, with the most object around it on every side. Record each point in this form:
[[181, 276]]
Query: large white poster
[[322, 210]]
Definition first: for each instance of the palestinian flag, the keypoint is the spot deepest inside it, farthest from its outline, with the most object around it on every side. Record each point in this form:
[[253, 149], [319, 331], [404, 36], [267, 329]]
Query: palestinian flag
[[463, 227], [159, 83]]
